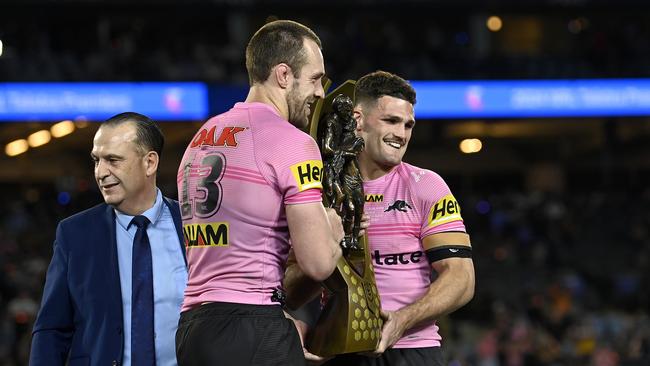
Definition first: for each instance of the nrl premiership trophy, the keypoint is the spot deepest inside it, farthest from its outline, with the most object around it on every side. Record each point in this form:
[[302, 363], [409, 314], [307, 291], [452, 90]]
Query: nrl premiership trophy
[[350, 320]]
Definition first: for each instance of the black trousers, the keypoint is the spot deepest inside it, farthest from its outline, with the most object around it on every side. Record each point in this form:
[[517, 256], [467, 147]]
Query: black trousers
[[228, 334], [429, 356]]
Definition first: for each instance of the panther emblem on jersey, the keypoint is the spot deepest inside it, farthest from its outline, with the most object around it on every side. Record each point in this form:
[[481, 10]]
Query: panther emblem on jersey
[[398, 205]]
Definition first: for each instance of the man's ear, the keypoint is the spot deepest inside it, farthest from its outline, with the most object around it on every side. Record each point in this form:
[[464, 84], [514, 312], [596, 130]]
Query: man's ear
[[357, 113], [283, 74], [151, 160]]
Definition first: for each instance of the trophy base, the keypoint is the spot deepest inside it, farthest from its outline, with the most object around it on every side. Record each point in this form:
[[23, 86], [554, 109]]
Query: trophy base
[[350, 320]]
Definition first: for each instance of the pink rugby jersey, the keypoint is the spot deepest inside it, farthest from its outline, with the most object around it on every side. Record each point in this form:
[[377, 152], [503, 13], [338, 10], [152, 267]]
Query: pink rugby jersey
[[236, 175], [404, 206]]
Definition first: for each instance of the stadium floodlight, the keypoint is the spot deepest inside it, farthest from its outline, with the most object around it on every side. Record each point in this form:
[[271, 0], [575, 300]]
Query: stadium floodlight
[[16, 147], [470, 146], [62, 128], [494, 23], [39, 138]]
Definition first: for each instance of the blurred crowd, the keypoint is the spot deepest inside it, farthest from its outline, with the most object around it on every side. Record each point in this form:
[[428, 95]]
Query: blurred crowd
[[199, 42], [27, 228], [562, 279]]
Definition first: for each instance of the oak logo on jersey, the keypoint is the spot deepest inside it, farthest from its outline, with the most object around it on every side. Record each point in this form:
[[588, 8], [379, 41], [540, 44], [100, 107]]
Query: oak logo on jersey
[[214, 234], [444, 211], [227, 137], [398, 205], [308, 174], [374, 198], [397, 258]]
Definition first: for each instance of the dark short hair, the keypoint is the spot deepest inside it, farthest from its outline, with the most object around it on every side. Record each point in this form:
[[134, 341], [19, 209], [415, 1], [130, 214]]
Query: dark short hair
[[149, 137], [370, 87], [280, 41]]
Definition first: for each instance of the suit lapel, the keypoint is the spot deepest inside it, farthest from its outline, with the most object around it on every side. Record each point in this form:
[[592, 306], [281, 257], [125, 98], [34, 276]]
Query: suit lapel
[[115, 289], [176, 215]]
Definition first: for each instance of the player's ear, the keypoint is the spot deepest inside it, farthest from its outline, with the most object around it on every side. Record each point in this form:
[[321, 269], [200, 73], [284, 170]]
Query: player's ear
[[357, 113], [282, 73]]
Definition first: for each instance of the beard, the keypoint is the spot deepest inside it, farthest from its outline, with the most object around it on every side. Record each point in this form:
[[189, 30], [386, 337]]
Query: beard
[[298, 111]]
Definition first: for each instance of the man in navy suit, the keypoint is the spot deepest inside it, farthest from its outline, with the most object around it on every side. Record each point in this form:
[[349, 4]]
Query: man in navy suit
[[108, 301]]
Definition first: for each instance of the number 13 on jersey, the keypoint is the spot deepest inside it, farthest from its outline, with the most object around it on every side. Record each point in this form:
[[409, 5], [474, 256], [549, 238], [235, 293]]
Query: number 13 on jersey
[[202, 193]]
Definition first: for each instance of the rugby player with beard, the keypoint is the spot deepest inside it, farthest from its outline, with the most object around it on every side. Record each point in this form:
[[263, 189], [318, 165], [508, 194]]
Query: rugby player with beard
[[250, 181]]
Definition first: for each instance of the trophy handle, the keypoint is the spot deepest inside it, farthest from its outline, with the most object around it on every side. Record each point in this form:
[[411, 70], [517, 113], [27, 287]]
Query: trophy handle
[[316, 112], [324, 105]]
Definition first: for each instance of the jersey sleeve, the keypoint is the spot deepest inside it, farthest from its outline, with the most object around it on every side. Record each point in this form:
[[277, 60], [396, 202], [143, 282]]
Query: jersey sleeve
[[298, 168], [440, 210]]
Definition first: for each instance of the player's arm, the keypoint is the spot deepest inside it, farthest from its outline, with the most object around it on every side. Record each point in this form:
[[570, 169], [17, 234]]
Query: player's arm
[[315, 236], [54, 327], [300, 289], [453, 288]]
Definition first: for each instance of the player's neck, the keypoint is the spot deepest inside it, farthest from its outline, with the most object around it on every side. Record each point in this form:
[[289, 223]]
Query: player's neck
[[259, 93], [371, 170]]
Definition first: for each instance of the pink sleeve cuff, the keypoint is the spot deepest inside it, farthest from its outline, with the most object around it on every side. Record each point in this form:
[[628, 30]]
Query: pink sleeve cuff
[[306, 196]]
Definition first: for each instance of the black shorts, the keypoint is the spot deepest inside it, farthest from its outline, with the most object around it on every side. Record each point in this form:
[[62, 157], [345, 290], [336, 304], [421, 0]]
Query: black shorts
[[229, 334], [428, 356]]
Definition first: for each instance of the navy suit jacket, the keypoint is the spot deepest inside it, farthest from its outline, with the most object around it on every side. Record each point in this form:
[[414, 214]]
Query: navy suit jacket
[[81, 310]]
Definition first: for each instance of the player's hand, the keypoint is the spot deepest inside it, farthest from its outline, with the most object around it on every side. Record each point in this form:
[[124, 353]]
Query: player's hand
[[303, 329], [391, 332], [365, 222], [314, 360], [335, 224]]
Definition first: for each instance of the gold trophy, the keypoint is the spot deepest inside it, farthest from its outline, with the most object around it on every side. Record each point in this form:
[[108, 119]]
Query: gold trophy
[[350, 320]]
